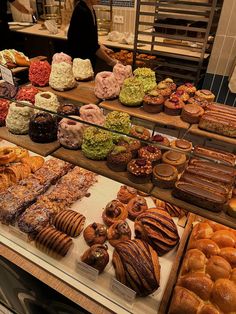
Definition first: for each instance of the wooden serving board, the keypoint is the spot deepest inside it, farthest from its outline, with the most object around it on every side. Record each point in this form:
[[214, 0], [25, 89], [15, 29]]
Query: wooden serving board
[[194, 129], [158, 118], [25, 141], [76, 157], [82, 93], [220, 217]]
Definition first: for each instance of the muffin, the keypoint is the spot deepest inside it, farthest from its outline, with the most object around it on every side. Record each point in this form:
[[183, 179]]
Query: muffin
[[126, 193], [170, 83], [140, 132], [163, 89], [182, 144], [139, 170], [118, 121], [43, 128], [151, 153], [131, 93], [198, 101], [159, 139], [146, 77], [164, 176], [173, 106], [153, 102], [184, 96], [175, 159], [118, 158], [205, 94], [188, 88], [132, 144], [192, 113]]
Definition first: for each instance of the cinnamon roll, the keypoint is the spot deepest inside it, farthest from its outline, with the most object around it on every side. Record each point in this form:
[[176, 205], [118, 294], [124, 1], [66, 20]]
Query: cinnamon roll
[[114, 211]]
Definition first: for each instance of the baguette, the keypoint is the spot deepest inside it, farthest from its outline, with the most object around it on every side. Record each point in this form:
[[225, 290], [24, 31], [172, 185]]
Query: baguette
[[225, 157]]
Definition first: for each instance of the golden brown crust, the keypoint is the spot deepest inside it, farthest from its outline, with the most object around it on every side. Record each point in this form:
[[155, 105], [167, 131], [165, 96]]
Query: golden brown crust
[[114, 211], [7, 154], [95, 233], [126, 193], [136, 206], [117, 232], [69, 222]]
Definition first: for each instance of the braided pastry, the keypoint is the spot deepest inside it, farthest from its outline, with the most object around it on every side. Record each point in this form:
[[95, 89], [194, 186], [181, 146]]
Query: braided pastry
[[119, 231], [96, 256], [136, 206], [70, 222], [114, 211], [95, 233]]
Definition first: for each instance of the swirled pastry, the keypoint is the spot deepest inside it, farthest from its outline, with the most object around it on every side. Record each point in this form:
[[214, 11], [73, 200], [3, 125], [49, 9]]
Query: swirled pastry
[[119, 231], [136, 206], [114, 211], [95, 233]]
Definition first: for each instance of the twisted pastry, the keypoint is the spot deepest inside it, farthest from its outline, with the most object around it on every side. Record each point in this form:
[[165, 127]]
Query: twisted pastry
[[95, 233], [113, 212], [136, 206], [119, 231], [96, 256]]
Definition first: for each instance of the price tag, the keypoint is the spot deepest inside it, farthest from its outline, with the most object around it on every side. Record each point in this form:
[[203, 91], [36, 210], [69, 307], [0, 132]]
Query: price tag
[[87, 271], [123, 291], [7, 75]]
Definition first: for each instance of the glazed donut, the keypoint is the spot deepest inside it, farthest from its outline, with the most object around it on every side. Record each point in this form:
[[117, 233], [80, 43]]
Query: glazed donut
[[96, 256], [114, 211], [119, 231], [126, 193], [7, 154], [136, 206], [95, 233]]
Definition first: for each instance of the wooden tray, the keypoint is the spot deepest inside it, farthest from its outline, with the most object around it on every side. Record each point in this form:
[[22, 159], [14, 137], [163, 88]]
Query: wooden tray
[[221, 217], [25, 141], [159, 118], [194, 129], [76, 157]]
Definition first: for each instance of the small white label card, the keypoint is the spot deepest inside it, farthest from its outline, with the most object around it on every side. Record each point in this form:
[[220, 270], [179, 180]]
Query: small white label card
[[6, 74], [87, 271], [123, 291]]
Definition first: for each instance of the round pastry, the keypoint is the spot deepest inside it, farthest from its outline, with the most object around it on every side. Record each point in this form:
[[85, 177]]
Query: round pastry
[[61, 57], [182, 144], [7, 154], [61, 77], [157, 228], [147, 77], [153, 102], [4, 106], [217, 267], [126, 193], [68, 110], [140, 132], [97, 143], [159, 139], [137, 266], [8, 90], [82, 69], [18, 118], [170, 83], [118, 232], [188, 88], [106, 85], [151, 153], [132, 144], [131, 93], [39, 73], [173, 106], [182, 95], [198, 101], [43, 128], [46, 100], [114, 211], [96, 256], [229, 254], [139, 170], [231, 207], [163, 89], [92, 113], [27, 93], [175, 159], [95, 233], [205, 94], [118, 158], [224, 295], [192, 113], [122, 72], [69, 222], [118, 121], [164, 176], [136, 206], [70, 133]]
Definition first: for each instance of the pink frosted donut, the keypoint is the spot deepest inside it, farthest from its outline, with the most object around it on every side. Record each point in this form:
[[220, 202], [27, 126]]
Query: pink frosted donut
[[92, 113], [106, 85], [122, 72], [61, 57]]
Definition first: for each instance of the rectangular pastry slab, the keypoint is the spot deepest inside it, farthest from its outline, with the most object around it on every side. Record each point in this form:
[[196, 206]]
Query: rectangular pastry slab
[[25, 141]]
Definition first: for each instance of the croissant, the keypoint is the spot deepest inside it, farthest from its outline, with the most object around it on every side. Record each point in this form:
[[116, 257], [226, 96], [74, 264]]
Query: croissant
[[126, 193]]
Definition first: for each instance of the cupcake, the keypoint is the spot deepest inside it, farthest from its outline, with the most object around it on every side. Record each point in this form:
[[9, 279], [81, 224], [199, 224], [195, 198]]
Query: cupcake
[[205, 94], [140, 132], [92, 113], [39, 72], [118, 121], [139, 170], [184, 96], [163, 89], [164, 176], [118, 158], [175, 159], [43, 128], [132, 144], [182, 144], [151, 153], [192, 113], [198, 101], [159, 139], [153, 102], [18, 118], [106, 86], [131, 93], [97, 143], [170, 83], [173, 106], [147, 77], [188, 88]]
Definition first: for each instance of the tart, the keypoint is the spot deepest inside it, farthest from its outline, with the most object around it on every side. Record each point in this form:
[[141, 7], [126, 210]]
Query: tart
[[182, 144], [95, 233], [164, 176], [126, 193], [139, 170], [188, 88], [150, 153], [118, 158], [114, 211], [153, 102], [205, 94], [173, 106], [136, 206], [159, 139], [175, 159], [119, 231], [132, 144], [192, 113], [140, 132]]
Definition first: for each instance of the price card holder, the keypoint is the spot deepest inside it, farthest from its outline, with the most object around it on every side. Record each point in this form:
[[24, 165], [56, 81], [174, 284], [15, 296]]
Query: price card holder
[[87, 271], [123, 291], [6, 74]]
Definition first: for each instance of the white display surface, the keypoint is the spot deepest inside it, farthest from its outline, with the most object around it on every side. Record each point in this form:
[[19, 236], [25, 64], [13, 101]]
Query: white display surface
[[66, 268]]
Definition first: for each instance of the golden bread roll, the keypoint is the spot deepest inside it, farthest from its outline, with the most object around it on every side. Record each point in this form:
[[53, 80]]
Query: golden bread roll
[[216, 226], [209, 309], [194, 261], [229, 254], [233, 275], [224, 295], [224, 238], [202, 231], [207, 246], [217, 267]]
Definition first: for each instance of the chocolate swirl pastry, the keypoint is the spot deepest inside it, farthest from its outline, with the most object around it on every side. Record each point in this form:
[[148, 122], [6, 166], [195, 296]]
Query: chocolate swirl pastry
[[136, 206], [119, 231], [114, 211], [95, 233], [157, 228], [137, 266], [96, 256], [70, 222]]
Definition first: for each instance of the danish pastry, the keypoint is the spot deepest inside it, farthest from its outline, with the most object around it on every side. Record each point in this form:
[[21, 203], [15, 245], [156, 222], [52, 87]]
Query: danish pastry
[[136, 206], [119, 231], [7, 154], [126, 193], [114, 211], [95, 233]]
